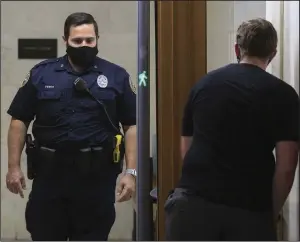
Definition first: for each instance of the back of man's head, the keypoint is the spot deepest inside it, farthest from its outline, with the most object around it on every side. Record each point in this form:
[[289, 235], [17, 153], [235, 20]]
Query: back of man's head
[[257, 38]]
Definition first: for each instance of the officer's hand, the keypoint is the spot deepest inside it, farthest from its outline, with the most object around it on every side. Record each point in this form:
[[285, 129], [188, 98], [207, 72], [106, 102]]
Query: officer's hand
[[15, 181], [125, 188]]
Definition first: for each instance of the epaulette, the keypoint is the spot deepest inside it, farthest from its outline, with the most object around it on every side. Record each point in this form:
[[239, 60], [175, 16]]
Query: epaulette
[[48, 61]]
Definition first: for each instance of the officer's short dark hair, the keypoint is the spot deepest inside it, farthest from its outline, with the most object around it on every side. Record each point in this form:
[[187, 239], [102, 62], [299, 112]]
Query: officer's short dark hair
[[76, 19], [257, 38]]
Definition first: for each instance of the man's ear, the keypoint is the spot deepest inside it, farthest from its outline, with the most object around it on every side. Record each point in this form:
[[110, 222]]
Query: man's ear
[[237, 52], [272, 56], [64, 39]]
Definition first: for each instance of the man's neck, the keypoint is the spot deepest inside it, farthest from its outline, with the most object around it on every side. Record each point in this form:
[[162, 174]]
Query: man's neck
[[74, 67], [254, 61]]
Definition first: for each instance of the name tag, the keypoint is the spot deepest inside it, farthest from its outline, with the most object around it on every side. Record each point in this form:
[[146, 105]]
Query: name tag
[[49, 87]]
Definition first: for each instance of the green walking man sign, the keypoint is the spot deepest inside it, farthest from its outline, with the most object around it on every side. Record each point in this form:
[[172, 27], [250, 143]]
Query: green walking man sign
[[143, 79]]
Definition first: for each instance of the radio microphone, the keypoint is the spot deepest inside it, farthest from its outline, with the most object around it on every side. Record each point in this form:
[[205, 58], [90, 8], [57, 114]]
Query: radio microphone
[[80, 86]]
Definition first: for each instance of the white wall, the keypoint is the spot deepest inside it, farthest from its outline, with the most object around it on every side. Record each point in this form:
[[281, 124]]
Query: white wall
[[44, 19], [285, 15], [223, 19], [220, 26]]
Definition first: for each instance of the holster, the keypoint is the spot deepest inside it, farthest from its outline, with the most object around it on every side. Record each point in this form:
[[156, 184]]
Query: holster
[[31, 152]]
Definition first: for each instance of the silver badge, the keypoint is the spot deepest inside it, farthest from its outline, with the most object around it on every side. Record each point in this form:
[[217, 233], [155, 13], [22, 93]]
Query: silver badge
[[102, 81]]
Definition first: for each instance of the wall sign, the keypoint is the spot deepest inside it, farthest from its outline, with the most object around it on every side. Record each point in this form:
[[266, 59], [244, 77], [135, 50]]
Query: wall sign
[[37, 48]]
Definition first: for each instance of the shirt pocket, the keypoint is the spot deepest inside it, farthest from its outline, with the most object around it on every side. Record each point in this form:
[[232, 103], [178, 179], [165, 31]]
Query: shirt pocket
[[49, 105], [108, 98], [105, 98], [107, 94]]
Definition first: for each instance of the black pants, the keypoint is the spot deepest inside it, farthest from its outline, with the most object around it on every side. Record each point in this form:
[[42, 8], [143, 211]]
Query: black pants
[[191, 218], [72, 198]]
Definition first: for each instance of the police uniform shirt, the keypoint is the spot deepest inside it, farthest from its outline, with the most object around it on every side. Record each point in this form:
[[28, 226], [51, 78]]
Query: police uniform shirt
[[236, 115], [65, 116]]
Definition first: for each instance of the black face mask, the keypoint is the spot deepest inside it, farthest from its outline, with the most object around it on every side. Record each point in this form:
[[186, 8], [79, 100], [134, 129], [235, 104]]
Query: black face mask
[[82, 56]]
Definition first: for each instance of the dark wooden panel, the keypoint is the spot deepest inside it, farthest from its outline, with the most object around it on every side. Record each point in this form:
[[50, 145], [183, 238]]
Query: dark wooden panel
[[165, 106], [181, 61]]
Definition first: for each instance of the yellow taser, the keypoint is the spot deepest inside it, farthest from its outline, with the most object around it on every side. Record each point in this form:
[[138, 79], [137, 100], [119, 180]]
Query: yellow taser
[[116, 153]]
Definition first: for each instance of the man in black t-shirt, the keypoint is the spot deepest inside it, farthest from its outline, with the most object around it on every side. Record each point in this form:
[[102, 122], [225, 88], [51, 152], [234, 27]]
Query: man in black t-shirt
[[231, 188]]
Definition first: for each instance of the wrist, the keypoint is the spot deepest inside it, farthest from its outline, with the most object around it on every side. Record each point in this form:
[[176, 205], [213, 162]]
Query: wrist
[[13, 166]]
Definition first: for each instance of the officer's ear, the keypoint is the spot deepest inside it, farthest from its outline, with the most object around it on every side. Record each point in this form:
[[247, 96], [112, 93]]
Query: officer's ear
[[64, 39]]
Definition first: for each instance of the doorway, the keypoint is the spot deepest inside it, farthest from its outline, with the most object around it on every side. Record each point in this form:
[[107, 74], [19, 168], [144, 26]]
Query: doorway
[[181, 61]]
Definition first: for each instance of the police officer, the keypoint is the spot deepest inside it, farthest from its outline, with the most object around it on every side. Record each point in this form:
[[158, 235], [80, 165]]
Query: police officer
[[73, 190]]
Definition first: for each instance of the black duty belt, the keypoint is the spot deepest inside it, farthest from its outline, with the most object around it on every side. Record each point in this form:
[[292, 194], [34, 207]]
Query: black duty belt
[[87, 149]]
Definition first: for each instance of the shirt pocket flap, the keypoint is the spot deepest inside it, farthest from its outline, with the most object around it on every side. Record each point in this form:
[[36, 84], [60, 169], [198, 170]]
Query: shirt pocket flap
[[49, 95]]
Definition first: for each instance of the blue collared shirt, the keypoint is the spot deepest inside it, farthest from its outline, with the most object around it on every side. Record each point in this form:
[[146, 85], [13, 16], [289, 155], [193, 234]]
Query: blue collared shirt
[[63, 115]]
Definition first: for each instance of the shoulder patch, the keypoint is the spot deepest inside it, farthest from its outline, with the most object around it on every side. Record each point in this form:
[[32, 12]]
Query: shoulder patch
[[26, 79], [132, 85]]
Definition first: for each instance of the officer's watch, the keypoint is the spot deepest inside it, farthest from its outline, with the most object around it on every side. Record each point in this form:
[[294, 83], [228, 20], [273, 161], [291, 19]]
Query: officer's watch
[[131, 172]]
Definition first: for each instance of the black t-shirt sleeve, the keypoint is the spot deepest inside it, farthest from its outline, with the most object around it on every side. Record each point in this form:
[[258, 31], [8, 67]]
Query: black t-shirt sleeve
[[287, 120], [23, 105], [187, 120]]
